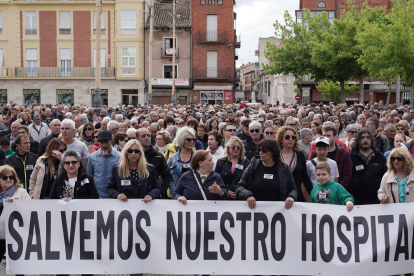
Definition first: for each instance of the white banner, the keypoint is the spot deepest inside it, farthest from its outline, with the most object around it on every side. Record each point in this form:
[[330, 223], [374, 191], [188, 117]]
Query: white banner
[[178, 82], [166, 237]]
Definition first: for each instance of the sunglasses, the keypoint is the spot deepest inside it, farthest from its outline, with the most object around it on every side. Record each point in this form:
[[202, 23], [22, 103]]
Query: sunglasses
[[255, 130], [95, 137], [231, 130], [277, 124], [235, 147], [189, 140], [398, 158], [133, 124], [190, 124], [130, 138], [354, 132], [62, 150], [269, 133], [133, 151], [73, 163], [400, 129], [287, 137], [292, 125], [7, 177], [263, 150], [88, 128], [145, 135]]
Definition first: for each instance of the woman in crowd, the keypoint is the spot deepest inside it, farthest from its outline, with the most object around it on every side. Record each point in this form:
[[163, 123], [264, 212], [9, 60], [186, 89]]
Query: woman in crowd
[[200, 182], [10, 189], [46, 169], [267, 178], [351, 131], [400, 129], [86, 134], [279, 122], [193, 123], [120, 140], [314, 127], [339, 127], [169, 121], [72, 181], [160, 122], [215, 140], [133, 177], [397, 184], [269, 132], [232, 165], [180, 161], [95, 146], [141, 119], [26, 120], [227, 120], [123, 127], [4, 130], [163, 139], [202, 135], [399, 142], [288, 141], [213, 124]]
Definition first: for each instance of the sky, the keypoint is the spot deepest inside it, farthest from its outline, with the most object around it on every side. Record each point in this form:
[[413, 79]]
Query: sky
[[255, 19]]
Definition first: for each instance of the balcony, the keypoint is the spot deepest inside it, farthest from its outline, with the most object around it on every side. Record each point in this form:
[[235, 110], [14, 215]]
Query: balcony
[[168, 52], [59, 1], [30, 31], [237, 41], [64, 31], [56, 72], [212, 37], [207, 73], [236, 77]]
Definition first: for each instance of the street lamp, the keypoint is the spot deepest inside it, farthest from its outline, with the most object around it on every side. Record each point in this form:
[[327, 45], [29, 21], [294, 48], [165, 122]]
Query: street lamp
[[150, 52], [97, 100]]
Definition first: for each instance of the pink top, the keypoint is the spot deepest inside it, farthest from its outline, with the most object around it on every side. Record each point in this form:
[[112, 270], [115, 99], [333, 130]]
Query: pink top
[[233, 169]]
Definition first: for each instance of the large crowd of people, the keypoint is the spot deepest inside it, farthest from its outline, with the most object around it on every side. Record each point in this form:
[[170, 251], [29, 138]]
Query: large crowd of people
[[322, 153]]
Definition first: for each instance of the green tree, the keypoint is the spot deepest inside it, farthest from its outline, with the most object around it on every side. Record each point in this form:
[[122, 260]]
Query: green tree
[[332, 90]]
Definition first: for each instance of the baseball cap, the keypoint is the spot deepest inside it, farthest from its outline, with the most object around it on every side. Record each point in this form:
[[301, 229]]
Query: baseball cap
[[322, 139]]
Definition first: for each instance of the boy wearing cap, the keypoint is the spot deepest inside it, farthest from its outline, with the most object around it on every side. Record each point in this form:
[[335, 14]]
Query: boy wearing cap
[[322, 149]]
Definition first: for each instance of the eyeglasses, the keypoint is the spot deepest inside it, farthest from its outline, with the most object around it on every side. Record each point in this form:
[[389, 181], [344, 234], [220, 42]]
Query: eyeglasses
[[88, 128], [133, 124], [190, 124], [7, 177], [189, 140], [255, 130], [398, 158], [277, 124], [287, 137], [133, 151], [95, 137], [263, 150], [231, 130], [400, 128], [62, 150], [65, 129], [235, 147], [292, 125], [269, 133], [130, 138], [145, 135], [354, 132], [126, 140], [73, 163]]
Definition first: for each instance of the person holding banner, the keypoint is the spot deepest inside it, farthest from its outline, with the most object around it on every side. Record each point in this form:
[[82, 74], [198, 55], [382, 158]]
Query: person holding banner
[[231, 166], [397, 185], [200, 182], [72, 181], [133, 177], [267, 178]]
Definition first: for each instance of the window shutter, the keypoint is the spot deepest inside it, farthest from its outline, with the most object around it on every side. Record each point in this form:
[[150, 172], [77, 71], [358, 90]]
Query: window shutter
[[1, 58], [64, 20], [102, 20], [212, 23], [102, 58], [1, 20], [65, 54], [31, 54]]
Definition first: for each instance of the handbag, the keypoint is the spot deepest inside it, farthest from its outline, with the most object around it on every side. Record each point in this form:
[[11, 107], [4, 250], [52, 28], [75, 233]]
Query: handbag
[[199, 186]]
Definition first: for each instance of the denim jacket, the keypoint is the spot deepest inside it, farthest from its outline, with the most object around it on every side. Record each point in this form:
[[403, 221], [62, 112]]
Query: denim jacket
[[100, 167], [175, 165]]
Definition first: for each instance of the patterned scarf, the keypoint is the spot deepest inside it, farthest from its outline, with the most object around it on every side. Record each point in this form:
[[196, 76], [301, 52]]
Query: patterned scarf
[[213, 151], [96, 147], [202, 176]]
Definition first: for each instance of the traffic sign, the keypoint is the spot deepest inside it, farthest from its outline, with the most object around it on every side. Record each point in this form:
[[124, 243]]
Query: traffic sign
[[297, 97]]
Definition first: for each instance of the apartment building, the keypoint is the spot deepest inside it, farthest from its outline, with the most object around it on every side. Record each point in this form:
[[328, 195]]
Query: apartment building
[[214, 41], [247, 80], [162, 52], [48, 51]]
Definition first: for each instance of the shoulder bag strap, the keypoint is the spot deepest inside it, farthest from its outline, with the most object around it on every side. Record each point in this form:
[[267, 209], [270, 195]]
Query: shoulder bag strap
[[199, 186], [392, 193], [313, 162]]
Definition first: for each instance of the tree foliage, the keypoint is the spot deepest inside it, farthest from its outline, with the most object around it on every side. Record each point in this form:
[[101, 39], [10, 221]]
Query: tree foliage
[[332, 90]]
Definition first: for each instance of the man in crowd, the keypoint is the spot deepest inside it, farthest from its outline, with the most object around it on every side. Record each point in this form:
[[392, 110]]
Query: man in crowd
[[250, 144], [38, 130], [68, 129], [390, 131], [55, 131], [113, 127], [14, 132], [244, 132], [305, 140], [229, 131], [381, 142]]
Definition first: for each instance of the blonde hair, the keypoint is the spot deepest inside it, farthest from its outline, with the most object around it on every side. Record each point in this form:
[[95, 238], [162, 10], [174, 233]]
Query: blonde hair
[[9, 169], [231, 143], [408, 160], [123, 165], [181, 135]]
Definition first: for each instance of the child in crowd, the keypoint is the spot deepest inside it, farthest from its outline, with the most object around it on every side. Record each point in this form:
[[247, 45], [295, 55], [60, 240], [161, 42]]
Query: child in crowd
[[322, 149], [328, 191], [5, 145]]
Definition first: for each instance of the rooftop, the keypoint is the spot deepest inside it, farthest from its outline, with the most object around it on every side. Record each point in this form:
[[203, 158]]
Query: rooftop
[[163, 15]]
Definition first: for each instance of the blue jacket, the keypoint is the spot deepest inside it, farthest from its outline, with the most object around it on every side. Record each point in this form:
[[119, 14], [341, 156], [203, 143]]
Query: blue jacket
[[100, 167], [188, 187], [198, 145], [130, 187], [175, 165]]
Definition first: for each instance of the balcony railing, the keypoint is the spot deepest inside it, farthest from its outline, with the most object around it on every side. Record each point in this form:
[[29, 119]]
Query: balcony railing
[[56, 1], [62, 72], [168, 52], [102, 31], [237, 41], [212, 37], [211, 73], [31, 31], [64, 31]]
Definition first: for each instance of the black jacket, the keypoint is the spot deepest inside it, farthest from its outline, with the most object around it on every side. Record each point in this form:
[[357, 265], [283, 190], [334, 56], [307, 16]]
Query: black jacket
[[204, 141], [223, 168], [286, 182], [23, 165], [130, 187], [34, 146], [161, 169], [243, 136], [366, 179], [44, 143], [84, 187], [251, 148]]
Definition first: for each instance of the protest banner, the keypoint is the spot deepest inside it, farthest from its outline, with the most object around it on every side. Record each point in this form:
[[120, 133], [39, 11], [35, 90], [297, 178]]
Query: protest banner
[[207, 237]]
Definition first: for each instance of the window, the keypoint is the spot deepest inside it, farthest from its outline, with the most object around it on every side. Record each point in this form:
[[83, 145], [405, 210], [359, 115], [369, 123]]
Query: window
[[31, 62], [128, 60], [102, 22], [211, 2], [211, 64], [212, 27], [65, 62], [168, 71], [202, 2], [331, 16], [102, 62], [168, 46], [31, 28], [321, 5], [64, 22], [220, 2], [128, 24], [1, 22], [1, 62]]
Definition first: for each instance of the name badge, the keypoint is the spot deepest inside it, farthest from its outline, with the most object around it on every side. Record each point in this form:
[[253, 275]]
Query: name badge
[[186, 165], [29, 167], [84, 181], [360, 167], [238, 166], [410, 189], [125, 182], [268, 176]]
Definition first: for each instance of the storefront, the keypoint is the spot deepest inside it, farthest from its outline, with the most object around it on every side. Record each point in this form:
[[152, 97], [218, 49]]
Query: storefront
[[104, 96], [212, 97], [65, 96], [3, 96], [31, 96]]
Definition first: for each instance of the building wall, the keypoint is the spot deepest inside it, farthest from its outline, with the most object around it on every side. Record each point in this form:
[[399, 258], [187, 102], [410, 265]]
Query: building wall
[[340, 5]]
